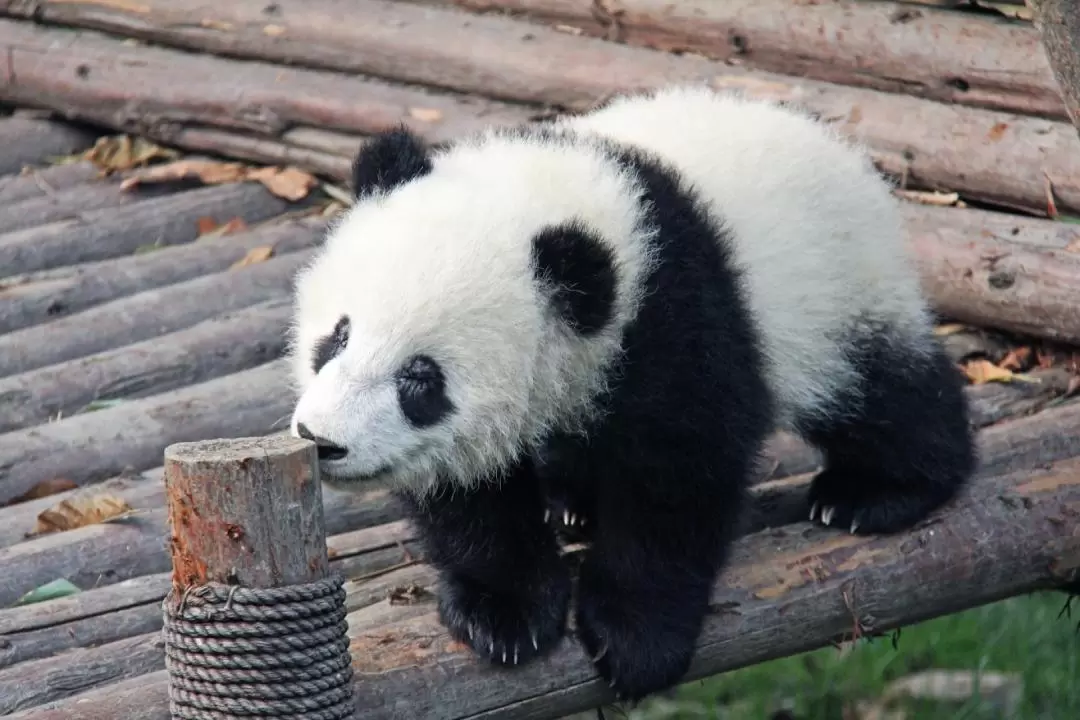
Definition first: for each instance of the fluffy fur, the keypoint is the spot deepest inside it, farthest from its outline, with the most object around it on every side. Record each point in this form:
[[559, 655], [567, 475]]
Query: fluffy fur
[[607, 316]]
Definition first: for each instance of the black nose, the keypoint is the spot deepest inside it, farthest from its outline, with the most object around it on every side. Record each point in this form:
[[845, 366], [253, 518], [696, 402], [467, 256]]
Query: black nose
[[326, 449]]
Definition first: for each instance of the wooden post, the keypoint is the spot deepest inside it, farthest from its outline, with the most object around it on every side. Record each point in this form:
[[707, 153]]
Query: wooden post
[[245, 511]]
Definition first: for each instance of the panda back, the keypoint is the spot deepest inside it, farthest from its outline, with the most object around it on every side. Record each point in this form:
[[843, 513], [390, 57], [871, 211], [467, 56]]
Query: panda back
[[813, 227]]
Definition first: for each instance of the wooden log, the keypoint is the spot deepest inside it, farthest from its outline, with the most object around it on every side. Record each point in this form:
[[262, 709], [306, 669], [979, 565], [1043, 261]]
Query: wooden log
[[147, 314], [71, 204], [94, 446], [1058, 25], [245, 511], [993, 281], [34, 182], [39, 297], [225, 344], [949, 57], [767, 605], [35, 141], [158, 92], [256, 148], [113, 232], [991, 156]]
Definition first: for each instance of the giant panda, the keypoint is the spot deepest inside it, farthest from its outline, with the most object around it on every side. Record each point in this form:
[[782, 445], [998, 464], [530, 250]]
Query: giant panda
[[637, 296]]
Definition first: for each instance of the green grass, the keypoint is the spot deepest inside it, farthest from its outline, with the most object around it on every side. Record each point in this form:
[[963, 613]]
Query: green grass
[[1022, 635]]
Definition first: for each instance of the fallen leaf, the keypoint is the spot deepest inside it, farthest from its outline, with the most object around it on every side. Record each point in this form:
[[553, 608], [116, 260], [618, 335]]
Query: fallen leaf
[[211, 24], [408, 594], [205, 225], [235, 225], [254, 255], [428, 115], [938, 199], [273, 30], [49, 591], [997, 131], [949, 329], [982, 371], [1074, 245], [569, 29], [1048, 187], [80, 512], [289, 183], [122, 152], [1016, 359], [209, 172], [45, 488]]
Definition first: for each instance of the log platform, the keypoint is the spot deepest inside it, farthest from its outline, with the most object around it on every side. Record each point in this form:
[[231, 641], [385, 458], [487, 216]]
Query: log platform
[[137, 314]]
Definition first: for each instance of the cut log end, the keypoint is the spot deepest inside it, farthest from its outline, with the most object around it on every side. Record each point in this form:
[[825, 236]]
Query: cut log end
[[245, 511]]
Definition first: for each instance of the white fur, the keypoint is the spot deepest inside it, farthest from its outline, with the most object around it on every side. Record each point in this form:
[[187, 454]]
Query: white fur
[[442, 266]]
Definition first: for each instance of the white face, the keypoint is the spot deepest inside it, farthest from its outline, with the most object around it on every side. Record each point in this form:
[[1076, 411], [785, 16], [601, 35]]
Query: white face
[[423, 345]]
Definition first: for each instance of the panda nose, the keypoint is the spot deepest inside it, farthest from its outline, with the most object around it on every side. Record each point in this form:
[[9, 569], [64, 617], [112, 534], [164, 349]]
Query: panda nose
[[326, 449]]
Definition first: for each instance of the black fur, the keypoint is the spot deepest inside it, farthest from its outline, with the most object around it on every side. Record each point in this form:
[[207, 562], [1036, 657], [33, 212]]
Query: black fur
[[389, 159], [900, 445], [660, 477], [578, 269], [421, 389], [330, 346]]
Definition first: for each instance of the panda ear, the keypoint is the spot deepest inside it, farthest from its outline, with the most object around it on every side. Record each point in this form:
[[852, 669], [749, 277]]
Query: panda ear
[[577, 270], [389, 159]]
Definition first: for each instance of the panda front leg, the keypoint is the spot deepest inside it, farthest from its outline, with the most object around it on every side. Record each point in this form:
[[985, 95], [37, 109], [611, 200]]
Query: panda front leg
[[661, 536], [503, 588], [900, 449]]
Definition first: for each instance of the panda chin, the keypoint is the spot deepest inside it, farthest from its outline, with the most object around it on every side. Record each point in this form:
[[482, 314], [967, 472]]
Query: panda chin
[[348, 480]]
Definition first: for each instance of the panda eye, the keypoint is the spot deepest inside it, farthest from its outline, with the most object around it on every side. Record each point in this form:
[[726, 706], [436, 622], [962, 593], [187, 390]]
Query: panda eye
[[421, 388], [331, 346]]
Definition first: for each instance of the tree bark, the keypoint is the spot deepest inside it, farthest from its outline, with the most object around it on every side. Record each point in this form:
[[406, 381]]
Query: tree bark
[[1058, 22]]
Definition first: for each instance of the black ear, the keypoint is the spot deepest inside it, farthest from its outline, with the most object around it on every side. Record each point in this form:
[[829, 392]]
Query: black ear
[[389, 159], [578, 270]]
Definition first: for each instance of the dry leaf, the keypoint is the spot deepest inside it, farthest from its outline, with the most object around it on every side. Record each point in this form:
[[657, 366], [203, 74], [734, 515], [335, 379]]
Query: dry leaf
[[289, 183], [938, 199], [428, 115], [205, 225], [211, 24], [209, 172], [80, 512], [1074, 245], [997, 131], [569, 29], [254, 255], [1016, 359], [949, 329], [121, 152], [273, 30], [983, 371], [1051, 205], [235, 225], [44, 489]]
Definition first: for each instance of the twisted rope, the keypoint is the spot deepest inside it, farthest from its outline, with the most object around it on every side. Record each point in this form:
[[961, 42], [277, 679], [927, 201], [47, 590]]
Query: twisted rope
[[236, 652]]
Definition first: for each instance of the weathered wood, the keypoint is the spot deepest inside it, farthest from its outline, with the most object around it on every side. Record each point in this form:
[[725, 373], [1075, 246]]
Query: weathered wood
[[995, 402], [71, 204], [94, 446], [34, 182], [113, 232], [39, 297], [147, 314], [225, 344], [993, 281], [1058, 24], [257, 148], [768, 605], [949, 57], [33, 141], [992, 156], [157, 91], [245, 511]]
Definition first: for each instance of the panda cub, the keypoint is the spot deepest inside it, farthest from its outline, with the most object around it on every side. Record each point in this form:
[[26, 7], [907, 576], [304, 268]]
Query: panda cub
[[638, 296]]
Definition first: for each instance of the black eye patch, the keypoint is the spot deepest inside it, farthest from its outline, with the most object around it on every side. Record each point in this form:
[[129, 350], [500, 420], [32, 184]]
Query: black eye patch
[[421, 389], [331, 346]]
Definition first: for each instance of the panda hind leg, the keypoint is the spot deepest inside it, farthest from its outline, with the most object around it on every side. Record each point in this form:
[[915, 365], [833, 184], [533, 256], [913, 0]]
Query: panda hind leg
[[898, 449]]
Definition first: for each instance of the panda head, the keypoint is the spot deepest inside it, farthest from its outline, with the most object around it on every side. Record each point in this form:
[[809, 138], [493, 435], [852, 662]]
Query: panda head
[[471, 301]]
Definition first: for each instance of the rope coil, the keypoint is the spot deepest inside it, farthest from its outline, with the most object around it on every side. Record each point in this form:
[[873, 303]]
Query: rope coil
[[235, 652]]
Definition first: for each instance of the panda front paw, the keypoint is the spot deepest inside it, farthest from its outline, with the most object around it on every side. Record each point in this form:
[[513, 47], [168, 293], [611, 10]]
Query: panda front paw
[[639, 644], [843, 499], [506, 628]]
